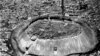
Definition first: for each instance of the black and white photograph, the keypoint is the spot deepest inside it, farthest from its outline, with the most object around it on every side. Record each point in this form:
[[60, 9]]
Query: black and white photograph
[[49, 27]]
